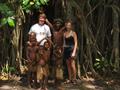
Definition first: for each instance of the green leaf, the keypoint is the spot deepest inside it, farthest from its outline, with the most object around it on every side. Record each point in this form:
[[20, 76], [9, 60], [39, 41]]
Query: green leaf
[[31, 3], [27, 7], [25, 2], [97, 59], [46, 1], [3, 21], [42, 2], [96, 64], [11, 22], [12, 69], [38, 3], [27, 10], [6, 67], [98, 67]]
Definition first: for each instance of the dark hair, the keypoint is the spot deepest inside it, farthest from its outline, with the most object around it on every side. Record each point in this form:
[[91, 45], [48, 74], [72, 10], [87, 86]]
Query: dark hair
[[68, 21], [58, 20]]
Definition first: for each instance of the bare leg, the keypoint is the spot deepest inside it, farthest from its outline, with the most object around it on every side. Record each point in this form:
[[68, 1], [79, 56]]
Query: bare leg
[[73, 69], [69, 69]]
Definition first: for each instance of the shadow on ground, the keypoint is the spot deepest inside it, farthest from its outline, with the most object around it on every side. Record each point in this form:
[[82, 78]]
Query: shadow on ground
[[20, 84]]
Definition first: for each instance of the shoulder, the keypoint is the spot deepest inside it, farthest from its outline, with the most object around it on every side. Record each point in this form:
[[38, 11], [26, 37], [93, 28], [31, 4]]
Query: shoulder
[[46, 26], [35, 25], [74, 34]]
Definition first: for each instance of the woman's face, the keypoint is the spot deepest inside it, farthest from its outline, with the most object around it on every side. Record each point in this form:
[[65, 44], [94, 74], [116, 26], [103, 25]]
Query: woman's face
[[68, 26]]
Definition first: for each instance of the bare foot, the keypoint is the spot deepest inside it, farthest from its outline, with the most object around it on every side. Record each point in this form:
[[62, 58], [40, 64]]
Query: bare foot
[[45, 88], [39, 89]]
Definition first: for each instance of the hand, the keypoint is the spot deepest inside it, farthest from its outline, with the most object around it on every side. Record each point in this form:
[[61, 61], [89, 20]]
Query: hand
[[29, 43], [46, 20], [73, 55]]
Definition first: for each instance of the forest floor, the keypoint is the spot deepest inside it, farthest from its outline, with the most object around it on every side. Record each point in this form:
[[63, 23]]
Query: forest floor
[[112, 83]]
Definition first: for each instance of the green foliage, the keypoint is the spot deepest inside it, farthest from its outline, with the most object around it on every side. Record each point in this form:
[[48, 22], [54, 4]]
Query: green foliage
[[7, 69], [7, 15], [9, 20], [6, 10], [3, 21], [28, 5], [101, 64]]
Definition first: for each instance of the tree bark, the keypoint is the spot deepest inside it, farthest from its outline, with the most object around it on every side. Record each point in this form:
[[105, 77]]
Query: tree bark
[[116, 37]]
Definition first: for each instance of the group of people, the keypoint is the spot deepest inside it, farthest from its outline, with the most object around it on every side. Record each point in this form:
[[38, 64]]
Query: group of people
[[59, 41]]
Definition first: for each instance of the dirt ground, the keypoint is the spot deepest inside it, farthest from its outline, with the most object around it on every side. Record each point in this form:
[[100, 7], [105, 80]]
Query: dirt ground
[[84, 84]]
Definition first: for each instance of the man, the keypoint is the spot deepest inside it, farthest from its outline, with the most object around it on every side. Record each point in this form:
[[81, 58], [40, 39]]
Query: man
[[41, 29], [57, 30]]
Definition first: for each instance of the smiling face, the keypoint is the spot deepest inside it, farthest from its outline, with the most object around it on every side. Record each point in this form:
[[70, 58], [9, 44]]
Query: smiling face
[[57, 26], [68, 25], [42, 18]]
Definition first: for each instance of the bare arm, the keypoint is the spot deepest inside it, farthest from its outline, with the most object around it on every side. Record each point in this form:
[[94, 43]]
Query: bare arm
[[76, 44], [49, 24], [27, 54], [62, 29]]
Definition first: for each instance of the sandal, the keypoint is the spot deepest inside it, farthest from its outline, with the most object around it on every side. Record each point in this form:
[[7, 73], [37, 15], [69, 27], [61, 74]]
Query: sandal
[[67, 81], [74, 82]]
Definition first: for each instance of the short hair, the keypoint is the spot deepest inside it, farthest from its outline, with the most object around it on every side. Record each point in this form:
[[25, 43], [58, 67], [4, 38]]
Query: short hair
[[42, 15], [32, 33], [58, 20]]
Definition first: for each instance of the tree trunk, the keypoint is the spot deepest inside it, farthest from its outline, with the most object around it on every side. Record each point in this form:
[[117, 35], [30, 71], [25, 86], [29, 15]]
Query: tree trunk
[[17, 36], [116, 38]]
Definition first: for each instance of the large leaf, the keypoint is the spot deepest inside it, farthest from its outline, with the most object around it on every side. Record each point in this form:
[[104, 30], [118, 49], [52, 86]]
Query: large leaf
[[11, 22]]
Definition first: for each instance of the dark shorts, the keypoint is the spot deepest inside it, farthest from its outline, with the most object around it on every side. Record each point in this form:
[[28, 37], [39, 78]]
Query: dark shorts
[[67, 52]]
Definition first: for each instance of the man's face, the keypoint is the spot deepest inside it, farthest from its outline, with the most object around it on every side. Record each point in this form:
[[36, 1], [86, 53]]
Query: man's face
[[57, 25], [41, 20]]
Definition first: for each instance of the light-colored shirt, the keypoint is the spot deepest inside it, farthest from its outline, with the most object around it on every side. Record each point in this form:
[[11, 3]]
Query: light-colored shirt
[[41, 31]]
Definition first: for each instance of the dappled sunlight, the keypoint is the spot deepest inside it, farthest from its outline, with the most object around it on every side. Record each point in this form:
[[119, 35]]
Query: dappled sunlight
[[89, 86], [5, 87], [88, 79]]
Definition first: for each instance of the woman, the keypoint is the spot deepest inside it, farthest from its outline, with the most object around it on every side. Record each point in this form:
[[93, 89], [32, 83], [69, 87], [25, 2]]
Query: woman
[[70, 48]]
